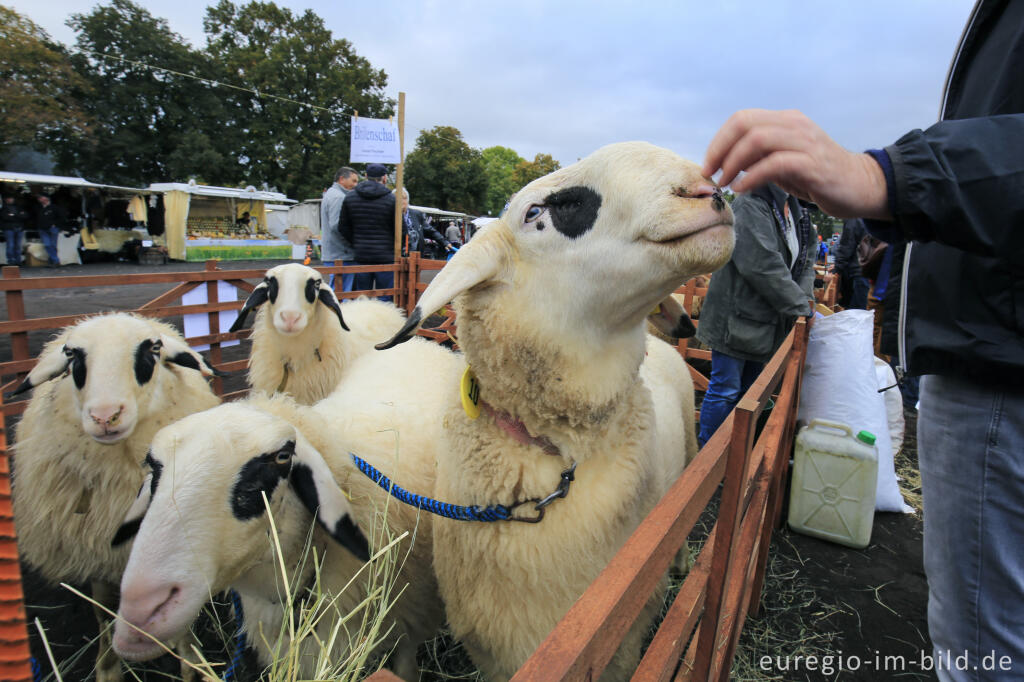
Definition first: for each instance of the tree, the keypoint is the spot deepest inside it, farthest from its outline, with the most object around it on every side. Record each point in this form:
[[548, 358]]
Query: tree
[[445, 172], [499, 171], [148, 121], [528, 171], [290, 146], [36, 85]]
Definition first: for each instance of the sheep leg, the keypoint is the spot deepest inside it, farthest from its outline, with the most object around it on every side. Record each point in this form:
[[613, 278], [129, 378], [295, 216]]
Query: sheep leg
[[403, 661], [108, 663]]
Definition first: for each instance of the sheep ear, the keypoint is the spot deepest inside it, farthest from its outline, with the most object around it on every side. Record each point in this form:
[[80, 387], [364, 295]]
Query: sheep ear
[[480, 260], [670, 319], [328, 298], [257, 298], [50, 366], [180, 354], [133, 519], [313, 482]]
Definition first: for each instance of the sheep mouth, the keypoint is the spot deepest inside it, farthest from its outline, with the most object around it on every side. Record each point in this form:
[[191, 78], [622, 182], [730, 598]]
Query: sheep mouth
[[109, 437], [676, 239]]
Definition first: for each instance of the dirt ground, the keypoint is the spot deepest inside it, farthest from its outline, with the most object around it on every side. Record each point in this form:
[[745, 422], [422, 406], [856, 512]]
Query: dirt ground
[[861, 608]]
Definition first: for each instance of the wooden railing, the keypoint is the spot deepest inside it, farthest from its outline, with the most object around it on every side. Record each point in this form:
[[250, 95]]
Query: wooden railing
[[697, 638]]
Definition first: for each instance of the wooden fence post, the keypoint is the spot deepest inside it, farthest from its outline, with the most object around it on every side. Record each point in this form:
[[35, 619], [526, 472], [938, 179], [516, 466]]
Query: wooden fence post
[[214, 318], [16, 311], [730, 514]]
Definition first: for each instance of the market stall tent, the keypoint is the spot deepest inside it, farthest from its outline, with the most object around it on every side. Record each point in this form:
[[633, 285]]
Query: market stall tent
[[203, 221]]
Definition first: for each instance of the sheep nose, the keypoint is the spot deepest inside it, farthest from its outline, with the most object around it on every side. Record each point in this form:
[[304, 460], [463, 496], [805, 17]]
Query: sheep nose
[[142, 604], [106, 415], [290, 318]]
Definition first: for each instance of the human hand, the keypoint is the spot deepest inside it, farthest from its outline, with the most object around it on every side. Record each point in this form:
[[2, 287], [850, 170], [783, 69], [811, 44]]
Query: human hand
[[790, 150]]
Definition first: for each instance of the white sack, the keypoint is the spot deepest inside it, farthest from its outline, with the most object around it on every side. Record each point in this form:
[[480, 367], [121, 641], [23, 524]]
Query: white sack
[[886, 380], [840, 385]]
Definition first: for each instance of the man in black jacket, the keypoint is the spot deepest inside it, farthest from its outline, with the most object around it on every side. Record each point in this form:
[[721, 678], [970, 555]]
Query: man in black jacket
[[367, 222], [853, 286], [13, 219], [955, 194], [50, 220]]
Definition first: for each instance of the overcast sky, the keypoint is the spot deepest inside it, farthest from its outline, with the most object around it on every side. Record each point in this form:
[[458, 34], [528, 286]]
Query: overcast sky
[[544, 76]]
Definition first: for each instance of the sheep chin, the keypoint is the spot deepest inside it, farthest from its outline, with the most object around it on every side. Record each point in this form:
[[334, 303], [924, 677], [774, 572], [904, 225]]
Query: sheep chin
[[110, 437]]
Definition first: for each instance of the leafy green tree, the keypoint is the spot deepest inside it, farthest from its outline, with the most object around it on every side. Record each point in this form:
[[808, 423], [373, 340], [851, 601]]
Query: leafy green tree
[[37, 86], [499, 170], [528, 171], [268, 48], [145, 120], [445, 172]]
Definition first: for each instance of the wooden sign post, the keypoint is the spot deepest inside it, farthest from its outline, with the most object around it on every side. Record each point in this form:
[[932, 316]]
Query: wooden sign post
[[398, 176]]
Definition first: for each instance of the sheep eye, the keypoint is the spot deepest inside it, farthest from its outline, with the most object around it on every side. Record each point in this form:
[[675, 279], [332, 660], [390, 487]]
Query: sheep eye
[[533, 213], [69, 352], [155, 348], [284, 455]]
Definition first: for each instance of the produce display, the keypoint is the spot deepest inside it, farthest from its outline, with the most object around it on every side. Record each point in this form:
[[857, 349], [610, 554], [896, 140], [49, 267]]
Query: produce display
[[222, 228]]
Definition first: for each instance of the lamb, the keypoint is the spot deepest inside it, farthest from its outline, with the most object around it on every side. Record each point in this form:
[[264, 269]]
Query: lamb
[[203, 528], [560, 403], [103, 387], [296, 346]]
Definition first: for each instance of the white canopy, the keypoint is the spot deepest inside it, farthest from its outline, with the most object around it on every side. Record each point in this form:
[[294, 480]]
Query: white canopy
[[61, 180], [250, 193]]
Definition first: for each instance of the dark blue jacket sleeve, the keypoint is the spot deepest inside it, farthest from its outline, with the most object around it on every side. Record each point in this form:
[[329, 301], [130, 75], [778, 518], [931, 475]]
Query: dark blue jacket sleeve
[[961, 183]]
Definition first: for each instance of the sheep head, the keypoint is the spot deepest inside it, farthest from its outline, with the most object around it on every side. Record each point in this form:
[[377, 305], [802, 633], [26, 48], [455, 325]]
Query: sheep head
[[200, 520], [112, 365], [596, 245], [291, 292]]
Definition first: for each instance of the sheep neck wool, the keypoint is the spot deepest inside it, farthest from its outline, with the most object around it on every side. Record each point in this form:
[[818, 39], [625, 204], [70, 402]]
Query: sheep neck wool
[[472, 404]]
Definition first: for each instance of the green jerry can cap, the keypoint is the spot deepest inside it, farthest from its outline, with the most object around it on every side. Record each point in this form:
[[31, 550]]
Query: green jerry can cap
[[866, 437]]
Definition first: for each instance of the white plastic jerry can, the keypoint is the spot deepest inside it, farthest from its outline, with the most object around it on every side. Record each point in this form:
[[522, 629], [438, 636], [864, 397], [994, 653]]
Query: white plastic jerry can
[[835, 476]]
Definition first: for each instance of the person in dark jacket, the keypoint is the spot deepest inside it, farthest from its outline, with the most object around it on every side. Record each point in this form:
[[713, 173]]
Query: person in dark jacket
[[50, 220], [955, 194], [367, 222], [417, 228], [13, 220], [753, 301], [853, 286]]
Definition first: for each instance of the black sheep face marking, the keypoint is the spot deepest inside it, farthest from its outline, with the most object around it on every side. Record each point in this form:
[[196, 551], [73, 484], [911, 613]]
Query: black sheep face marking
[[312, 289], [76, 363], [272, 287], [146, 355], [573, 210], [261, 474]]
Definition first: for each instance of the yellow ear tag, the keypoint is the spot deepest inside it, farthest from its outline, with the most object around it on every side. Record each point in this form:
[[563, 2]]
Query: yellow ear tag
[[469, 391], [656, 311]]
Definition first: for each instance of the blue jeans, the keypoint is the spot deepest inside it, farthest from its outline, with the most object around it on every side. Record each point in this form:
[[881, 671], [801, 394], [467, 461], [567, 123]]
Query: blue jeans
[[374, 280], [971, 454], [13, 239], [48, 235], [730, 378], [347, 279]]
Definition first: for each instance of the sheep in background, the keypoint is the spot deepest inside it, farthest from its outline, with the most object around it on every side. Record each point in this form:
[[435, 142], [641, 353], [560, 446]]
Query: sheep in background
[[103, 387], [302, 348], [203, 527], [551, 301]]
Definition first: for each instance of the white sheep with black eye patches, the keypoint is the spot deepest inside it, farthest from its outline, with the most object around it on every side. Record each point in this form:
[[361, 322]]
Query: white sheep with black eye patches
[[551, 301], [200, 525], [303, 338], [102, 388]]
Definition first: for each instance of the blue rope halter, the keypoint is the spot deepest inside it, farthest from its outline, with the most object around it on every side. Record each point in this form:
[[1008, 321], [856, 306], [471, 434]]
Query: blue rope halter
[[494, 512]]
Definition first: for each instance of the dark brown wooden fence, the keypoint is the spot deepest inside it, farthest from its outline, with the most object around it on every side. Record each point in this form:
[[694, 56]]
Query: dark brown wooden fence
[[697, 638]]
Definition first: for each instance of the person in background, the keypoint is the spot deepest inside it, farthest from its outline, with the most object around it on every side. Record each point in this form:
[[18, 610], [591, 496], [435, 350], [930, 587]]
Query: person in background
[[417, 228], [853, 286], [368, 223], [50, 220], [753, 301], [13, 220], [334, 247], [954, 194], [453, 234], [822, 250]]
